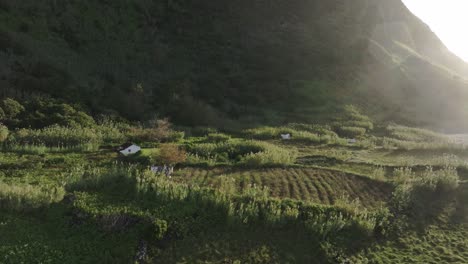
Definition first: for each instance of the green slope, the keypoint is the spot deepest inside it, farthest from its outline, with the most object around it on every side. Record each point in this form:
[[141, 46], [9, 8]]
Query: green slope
[[201, 61]]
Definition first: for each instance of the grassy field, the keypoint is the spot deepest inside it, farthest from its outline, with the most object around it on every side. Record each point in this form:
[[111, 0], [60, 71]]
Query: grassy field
[[236, 200]]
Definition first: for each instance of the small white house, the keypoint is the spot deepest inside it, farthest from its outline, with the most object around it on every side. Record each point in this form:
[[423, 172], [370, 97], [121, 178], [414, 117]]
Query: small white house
[[129, 149], [286, 136], [352, 141]]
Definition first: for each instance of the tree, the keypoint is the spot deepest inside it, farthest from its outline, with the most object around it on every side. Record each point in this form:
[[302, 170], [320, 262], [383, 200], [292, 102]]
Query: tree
[[12, 108], [171, 154]]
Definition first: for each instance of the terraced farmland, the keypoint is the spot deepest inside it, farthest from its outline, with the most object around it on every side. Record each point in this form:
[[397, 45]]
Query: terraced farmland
[[317, 185]]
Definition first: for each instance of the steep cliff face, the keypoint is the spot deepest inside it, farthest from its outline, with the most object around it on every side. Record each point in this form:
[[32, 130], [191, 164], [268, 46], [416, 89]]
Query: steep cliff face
[[232, 58]]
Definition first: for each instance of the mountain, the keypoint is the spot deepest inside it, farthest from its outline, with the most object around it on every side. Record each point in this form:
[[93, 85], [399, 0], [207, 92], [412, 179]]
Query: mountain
[[201, 62]]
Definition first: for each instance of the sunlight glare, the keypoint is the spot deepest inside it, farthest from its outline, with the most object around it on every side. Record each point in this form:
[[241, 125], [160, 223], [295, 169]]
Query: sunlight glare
[[448, 19]]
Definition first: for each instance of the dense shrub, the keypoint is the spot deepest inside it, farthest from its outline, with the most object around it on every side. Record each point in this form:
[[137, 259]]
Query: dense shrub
[[42, 113], [3, 133], [156, 131], [411, 196], [176, 136], [11, 108], [159, 229], [170, 154]]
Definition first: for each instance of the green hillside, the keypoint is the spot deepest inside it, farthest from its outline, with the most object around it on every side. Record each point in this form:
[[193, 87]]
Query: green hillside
[[200, 62], [260, 131]]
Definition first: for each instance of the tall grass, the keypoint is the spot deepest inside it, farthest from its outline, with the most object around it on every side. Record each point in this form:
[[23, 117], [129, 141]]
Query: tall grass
[[351, 123], [392, 143], [269, 157], [58, 137], [412, 195], [253, 207], [266, 133], [42, 149], [244, 152], [408, 138], [23, 197], [153, 131], [415, 134], [111, 131]]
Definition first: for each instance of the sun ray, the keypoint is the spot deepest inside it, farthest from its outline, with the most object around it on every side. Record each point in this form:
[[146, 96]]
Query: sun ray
[[446, 18]]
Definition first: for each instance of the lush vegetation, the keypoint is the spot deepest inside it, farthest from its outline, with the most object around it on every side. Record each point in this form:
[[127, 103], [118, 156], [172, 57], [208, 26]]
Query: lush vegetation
[[80, 78], [341, 200], [278, 65]]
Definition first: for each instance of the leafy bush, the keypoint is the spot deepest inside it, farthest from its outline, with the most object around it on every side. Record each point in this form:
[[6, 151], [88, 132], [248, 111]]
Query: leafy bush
[[441, 181], [411, 197], [11, 108], [3, 133], [156, 131], [160, 228], [42, 113], [171, 154], [403, 174]]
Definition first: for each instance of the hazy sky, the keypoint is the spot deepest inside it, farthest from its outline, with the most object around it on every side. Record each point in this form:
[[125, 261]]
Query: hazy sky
[[448, 19]]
